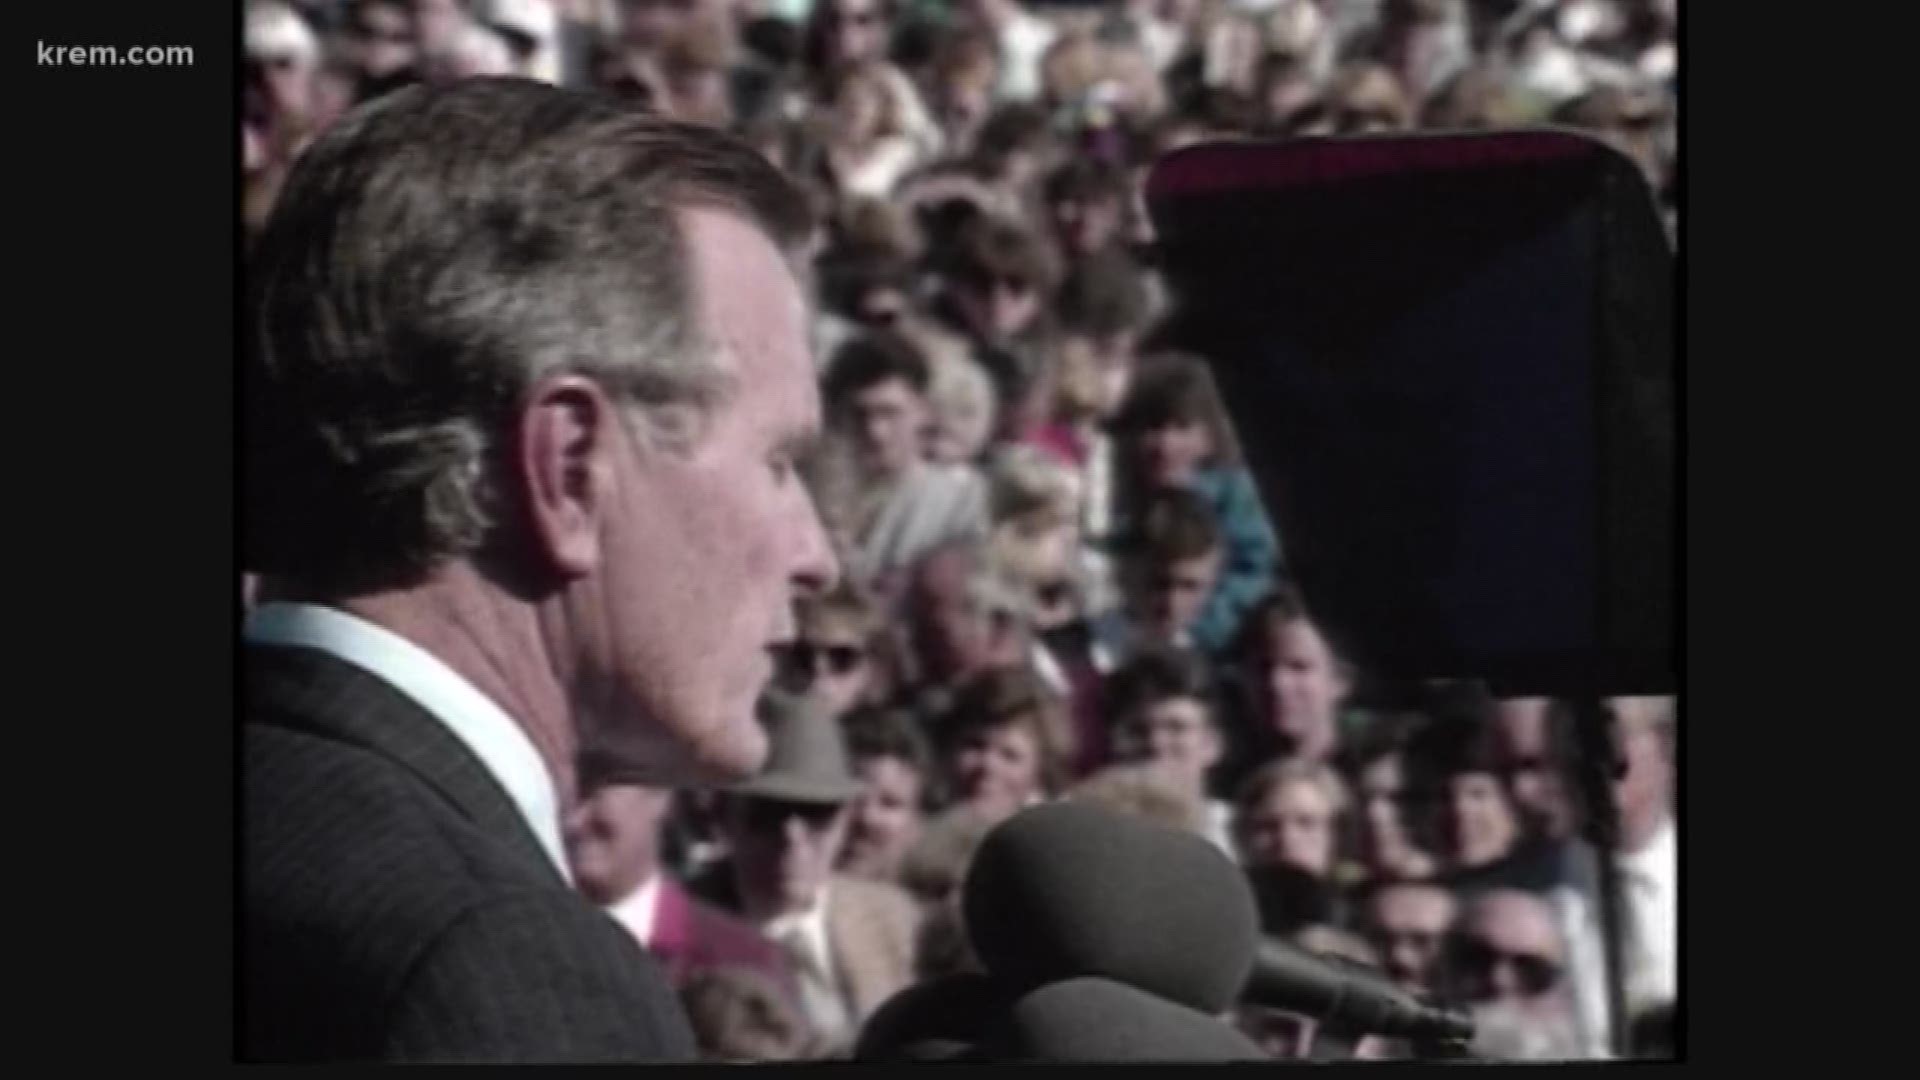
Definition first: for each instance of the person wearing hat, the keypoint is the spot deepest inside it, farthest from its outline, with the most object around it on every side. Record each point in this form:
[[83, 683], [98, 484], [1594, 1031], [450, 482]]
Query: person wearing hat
[[850, 940], [613, 848]]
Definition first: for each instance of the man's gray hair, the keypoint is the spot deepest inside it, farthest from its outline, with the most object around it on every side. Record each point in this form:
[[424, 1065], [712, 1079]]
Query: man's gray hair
[[432, 256]]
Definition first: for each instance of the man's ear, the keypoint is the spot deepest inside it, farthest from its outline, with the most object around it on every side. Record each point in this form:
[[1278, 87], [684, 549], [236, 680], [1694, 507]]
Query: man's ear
[[569, 436]]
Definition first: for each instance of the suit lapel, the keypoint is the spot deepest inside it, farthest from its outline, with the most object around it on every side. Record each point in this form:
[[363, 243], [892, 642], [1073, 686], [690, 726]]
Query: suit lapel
[[854, 963], [311, 691]]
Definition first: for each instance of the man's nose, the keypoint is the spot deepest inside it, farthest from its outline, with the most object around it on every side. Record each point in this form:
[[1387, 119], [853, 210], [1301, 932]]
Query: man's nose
[[816, 568]]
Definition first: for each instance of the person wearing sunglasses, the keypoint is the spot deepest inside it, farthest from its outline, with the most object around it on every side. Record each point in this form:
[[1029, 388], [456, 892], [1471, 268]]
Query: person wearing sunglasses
[[1460, 772], [834, 658], [850, 939], [613, 837], [1509, 962]]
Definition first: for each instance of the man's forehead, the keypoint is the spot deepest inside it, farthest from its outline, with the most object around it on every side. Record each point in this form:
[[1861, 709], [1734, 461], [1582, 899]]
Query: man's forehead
[[753, 310]]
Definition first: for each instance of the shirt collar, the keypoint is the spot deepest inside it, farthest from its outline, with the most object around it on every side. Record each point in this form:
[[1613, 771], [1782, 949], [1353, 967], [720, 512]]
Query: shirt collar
[[476, 719], [1657, 854], [639, 910], [812, 922]]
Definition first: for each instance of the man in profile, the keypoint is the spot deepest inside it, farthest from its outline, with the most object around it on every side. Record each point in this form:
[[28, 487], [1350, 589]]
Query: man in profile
[[526, 377]]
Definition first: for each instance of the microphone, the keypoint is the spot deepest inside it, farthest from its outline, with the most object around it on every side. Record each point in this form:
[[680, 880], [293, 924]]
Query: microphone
[[941, 1019], [1067, 890], [1102, 1021], [1346, 995]]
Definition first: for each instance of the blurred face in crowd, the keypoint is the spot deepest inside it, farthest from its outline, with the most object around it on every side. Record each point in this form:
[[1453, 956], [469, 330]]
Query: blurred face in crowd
[[886, 817], [1176, 735], [384, 39], [1480, 818], [954, 633], [1286, 95], [1388, 845], [997, 306], [1645, 792], [996, 767], [830, 662], [334, 91], [1509, 950], [1409, 925], [963, 100], [1049, 579], [958, 431], [882, 306], [1291, 826], [857, 111], [1539, 792], [613, 840], [1087, 224], [286, 86], [690, 582], [1172, 452], [855, 30], [1304, 689], [783, 852], [1171, 593], [435, 22], [890, 420], [699, 95]]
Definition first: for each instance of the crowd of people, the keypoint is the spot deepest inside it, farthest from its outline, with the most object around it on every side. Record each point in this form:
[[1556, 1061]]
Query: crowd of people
[[1056, 577]]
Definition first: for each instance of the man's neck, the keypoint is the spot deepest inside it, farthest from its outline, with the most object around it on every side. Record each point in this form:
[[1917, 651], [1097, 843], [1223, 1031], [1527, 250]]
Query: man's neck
[[497, 643]]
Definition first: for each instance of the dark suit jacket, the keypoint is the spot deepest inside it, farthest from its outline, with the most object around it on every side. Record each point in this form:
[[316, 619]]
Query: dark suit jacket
[[691, 936], [396, 907]]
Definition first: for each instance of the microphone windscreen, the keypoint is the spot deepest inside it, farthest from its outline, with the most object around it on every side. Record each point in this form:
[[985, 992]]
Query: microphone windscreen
[[1102, 1021], [1068, 890], [931, 1020]]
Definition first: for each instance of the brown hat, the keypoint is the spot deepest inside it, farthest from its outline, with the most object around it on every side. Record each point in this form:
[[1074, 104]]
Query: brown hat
[[807, 759]]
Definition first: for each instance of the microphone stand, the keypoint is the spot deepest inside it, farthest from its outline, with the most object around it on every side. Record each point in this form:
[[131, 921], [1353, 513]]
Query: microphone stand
[[1599, 765]]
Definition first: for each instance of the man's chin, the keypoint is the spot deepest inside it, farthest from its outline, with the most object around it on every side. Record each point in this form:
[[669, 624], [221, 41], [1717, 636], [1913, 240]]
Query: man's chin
[[739, 754]]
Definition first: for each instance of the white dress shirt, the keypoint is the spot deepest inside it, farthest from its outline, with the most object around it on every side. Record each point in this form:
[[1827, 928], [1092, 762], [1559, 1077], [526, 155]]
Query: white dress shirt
[[1024, 41], [1649, 886], [803, 935], [475, 719], [638, 910]]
